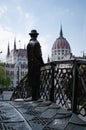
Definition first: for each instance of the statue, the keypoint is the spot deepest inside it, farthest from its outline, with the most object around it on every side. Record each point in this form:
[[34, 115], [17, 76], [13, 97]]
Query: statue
[[35, 62]]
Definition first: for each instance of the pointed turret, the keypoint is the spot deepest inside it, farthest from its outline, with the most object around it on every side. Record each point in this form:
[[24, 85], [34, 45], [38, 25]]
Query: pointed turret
[[14, 44], [61, 32], [8, 50], [48, 60]]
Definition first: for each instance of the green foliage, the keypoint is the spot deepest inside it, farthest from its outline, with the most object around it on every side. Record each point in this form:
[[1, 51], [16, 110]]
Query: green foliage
[[2, 71], [4, 82]]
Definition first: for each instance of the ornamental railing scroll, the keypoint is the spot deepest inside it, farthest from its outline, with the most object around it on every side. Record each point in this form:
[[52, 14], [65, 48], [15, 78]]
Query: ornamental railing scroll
[[62, 82]]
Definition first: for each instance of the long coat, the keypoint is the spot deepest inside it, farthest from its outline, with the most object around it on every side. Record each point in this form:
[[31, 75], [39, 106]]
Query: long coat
[[35, 61]]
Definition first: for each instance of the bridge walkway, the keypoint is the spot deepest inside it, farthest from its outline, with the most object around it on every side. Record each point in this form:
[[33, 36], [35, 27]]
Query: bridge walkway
[[37, 115]]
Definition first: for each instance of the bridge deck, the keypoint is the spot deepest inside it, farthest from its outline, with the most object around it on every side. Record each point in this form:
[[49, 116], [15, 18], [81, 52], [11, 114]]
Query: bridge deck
[[38, 115]]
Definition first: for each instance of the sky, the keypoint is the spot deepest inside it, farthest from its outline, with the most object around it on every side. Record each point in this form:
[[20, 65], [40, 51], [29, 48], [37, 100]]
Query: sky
[[19, 17]]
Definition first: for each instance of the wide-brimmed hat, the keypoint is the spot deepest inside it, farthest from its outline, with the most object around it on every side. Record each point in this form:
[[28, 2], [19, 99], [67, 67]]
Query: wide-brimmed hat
[[33, 32]]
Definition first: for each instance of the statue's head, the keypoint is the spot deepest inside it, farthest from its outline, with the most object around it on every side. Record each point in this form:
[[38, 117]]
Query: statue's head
[[33, 34]]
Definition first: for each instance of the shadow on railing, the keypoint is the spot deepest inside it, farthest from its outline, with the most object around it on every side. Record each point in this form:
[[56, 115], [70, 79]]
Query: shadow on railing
[[63, 82]]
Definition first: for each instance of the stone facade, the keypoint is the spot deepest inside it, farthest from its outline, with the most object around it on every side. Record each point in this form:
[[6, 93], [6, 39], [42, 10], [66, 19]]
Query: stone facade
[[16, 64]]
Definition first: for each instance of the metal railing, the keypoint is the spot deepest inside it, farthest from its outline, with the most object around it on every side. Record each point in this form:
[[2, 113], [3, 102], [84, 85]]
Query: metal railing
[[63, 82], [22, 90]]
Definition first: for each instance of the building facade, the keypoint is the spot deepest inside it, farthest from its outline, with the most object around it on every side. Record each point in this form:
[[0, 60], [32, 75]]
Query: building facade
[[16, 64]]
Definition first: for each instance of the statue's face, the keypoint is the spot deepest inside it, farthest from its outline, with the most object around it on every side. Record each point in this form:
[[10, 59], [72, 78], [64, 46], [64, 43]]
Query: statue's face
[[33, 36]]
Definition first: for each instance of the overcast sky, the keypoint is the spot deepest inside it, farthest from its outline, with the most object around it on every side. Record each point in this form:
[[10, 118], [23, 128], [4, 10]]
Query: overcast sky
[[19, 17]]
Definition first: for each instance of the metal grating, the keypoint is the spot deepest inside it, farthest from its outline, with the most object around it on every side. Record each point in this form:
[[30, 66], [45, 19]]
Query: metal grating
[[45, 82], [62, 80], [33, 112], [40, 120]]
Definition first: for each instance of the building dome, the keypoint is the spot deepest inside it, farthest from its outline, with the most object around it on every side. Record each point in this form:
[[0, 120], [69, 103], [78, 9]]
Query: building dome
[[61, 43], [60, 48]]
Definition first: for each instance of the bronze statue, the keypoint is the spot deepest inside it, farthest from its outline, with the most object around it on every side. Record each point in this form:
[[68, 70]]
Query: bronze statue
[[35, 62]]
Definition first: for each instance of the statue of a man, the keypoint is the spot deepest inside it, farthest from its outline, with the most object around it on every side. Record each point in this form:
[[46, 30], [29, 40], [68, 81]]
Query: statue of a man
[[35, 62]]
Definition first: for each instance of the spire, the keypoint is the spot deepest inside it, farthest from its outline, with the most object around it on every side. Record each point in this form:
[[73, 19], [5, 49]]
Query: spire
[[8, 50], [15, 44], [61, 32], [48, 60]]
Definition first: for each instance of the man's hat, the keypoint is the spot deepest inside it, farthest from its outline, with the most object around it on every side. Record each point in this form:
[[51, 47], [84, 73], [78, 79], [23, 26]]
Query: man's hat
[[33, 32]]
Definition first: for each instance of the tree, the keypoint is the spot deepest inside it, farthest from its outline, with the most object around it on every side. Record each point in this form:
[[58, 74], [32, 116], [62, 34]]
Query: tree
[[4, 82]]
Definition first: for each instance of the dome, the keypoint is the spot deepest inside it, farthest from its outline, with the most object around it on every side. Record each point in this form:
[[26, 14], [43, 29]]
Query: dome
[[61, 42], [60, 48]]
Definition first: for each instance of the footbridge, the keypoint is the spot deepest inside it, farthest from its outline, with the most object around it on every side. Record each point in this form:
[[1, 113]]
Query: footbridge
[[62, 103]]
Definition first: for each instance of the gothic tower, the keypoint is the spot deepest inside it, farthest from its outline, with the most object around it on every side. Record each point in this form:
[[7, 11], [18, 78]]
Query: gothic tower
[[14, 44], [8, 50]]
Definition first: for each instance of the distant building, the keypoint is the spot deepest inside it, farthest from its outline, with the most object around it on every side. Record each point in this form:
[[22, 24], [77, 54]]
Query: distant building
[[61, 48], [16, 64]]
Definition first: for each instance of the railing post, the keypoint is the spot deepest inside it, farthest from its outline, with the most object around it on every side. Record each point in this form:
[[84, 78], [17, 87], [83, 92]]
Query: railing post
[[52, 83], [74, 89]]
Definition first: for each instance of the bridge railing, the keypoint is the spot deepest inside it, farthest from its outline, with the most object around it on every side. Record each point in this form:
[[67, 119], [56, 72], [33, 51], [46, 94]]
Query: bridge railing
[[63, 82], [22, 90]]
